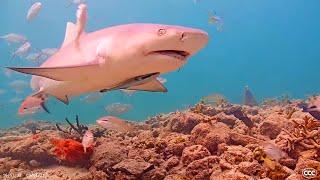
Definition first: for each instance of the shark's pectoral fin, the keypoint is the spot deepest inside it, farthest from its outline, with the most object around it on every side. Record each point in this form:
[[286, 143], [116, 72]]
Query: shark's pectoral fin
[[68, 73], [152, 86]]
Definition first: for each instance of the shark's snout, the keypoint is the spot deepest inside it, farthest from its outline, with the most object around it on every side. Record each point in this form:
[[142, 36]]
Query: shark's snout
[[193, 39]]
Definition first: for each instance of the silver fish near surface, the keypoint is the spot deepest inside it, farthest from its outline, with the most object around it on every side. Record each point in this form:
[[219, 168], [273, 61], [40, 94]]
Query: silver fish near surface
[[92, 97], [34, 11], [22, 50], [118, 108], [19, 85], [14, 38]]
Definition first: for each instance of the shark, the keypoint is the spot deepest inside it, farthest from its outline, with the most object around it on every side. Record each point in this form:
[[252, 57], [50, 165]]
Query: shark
[[121, 57]]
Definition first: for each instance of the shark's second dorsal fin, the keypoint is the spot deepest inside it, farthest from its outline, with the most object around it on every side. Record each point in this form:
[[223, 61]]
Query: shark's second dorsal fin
[[71, 32]]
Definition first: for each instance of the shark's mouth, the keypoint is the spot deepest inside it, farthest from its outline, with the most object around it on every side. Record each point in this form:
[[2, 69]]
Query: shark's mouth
[[182, 55]]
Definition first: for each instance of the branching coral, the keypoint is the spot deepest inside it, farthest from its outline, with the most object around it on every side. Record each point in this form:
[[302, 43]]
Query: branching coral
[[306, 134], [79, 128], [289, 112]]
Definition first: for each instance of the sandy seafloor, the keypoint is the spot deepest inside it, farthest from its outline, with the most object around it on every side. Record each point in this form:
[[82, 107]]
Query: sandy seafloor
[[275, 140]]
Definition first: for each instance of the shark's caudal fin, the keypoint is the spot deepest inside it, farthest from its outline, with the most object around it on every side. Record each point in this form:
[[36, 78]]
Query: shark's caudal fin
[[67, 73], [152, 86]]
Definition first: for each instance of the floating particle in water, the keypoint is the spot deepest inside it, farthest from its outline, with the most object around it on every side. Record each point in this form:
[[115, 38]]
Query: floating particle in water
[[248, 98], [19, 85], [49, 51], [2, 91], [92, 98], [118, 108], [216, 20], [14, 38], [22, 50], [34, 11]]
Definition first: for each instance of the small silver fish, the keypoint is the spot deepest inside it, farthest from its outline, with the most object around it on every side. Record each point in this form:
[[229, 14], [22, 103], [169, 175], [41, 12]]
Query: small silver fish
[[34, 57], [22, 50], [272, 151], [92, 98], [214, 19], [14, 38], [87, 140], [49, 51], [34, 11], [118, 108]]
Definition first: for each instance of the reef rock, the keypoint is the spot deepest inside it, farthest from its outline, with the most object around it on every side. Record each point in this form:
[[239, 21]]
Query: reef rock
[[202, 168], [193, 153], [183, 122], [133, 167], [107, 154], [237, 154], [270, 129], [249, 168], [211, 136]]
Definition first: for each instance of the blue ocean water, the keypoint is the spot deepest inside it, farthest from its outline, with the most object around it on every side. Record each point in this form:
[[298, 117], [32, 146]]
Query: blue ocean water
[[272, 46]]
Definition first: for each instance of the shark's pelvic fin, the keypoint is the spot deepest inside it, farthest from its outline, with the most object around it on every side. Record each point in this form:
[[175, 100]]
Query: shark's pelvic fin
[[63, 99], [67, 73], [152, 86], [147, 82], [70, 35]]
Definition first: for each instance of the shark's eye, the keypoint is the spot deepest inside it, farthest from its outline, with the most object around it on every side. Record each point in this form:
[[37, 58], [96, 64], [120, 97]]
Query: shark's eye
[[162, 32]]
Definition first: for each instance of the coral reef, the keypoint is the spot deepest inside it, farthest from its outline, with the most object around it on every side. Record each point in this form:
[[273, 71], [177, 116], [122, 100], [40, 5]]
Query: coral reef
[[207, 141], [71, 151]]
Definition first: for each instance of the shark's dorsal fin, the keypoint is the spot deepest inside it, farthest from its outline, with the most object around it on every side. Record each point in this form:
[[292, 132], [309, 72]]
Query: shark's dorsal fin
[[70, 35]]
